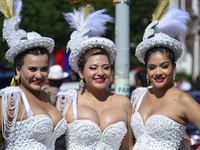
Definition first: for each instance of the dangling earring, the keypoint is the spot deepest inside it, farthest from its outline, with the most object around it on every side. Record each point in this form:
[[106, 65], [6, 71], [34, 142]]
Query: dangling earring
[[18, 77], [81, 85], [174, 76], [174, 79], [15, 80], [147, 79]]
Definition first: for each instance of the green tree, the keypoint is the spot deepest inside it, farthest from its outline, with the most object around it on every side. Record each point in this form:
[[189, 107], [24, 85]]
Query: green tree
[[140, 17]]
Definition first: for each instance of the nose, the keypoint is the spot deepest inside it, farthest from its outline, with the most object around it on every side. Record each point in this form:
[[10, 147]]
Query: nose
[[38, 74], [158, 72], [100, 71]]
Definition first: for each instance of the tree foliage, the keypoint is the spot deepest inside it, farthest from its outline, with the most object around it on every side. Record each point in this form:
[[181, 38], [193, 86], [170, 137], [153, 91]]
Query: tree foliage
[[45, 17], [140, 17]]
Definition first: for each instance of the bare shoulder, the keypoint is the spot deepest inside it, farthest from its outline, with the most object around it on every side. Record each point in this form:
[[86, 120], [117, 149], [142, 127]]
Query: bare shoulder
[[185, 97], [123, 99]]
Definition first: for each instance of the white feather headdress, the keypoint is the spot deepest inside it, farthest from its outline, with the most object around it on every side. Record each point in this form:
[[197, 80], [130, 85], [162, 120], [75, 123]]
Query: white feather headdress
[[17, 39], [168, 29], [11, 8], [87, 18], [173, 23], [89, 25]]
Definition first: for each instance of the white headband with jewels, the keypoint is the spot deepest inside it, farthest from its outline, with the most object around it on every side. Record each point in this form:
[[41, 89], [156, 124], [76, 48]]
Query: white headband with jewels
[[169, 24], [17, 39], [89, 25]]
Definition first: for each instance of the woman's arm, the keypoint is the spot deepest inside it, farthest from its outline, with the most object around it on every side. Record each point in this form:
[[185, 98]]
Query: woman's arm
[[127, 142], [191, 109]]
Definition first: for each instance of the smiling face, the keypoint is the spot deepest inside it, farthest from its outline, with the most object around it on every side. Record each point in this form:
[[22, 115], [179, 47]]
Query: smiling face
[[160, 69], [96, 72], [34, 72]]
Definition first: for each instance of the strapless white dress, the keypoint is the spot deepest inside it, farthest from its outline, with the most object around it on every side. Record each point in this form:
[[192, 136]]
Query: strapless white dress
[[159, 132], [35, 133], [86, 134]]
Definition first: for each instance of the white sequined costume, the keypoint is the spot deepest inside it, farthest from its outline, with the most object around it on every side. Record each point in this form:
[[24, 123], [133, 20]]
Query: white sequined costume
[[86, 134], [159, 132], [34, 133]]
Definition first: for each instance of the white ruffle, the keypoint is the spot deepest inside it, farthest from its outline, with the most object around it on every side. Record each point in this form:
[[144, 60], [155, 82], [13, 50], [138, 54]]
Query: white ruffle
[[10, 102], [64, 100]]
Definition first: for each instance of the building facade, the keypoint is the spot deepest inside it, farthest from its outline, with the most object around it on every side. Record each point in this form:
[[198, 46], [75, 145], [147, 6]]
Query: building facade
[[190, 60]]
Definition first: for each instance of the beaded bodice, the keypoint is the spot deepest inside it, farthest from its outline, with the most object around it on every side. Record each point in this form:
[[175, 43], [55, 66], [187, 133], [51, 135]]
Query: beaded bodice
[[159, 132], [87, 135], [36, 132]]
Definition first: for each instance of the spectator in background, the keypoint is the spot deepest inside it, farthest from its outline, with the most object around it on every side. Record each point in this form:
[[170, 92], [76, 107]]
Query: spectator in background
[[141, 79], [196, 85], [185, 85], [56, 77]]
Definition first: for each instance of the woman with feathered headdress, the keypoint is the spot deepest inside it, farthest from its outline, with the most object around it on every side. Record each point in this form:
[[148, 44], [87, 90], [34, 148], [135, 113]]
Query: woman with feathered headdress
[[162, 111], [28, 121], [97, 118]]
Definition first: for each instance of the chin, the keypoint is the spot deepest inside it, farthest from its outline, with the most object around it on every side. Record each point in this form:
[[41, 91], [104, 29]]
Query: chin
[[159, 85], [102, 88], [36, 87]]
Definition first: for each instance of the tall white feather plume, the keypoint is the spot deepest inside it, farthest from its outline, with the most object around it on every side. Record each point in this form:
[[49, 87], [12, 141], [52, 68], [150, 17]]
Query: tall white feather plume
[[17, 10], [173, 23], [18, 7], [95, 21], [10, 8]]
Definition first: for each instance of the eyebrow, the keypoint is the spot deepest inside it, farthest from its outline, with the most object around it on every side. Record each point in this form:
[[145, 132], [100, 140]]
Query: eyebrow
[[160, 64], [37, 67], [98, 64]]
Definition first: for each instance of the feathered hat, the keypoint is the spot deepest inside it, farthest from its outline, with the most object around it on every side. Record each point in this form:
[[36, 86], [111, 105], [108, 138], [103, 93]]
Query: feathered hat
[[89, 25], [168, 29], [17, 39]]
